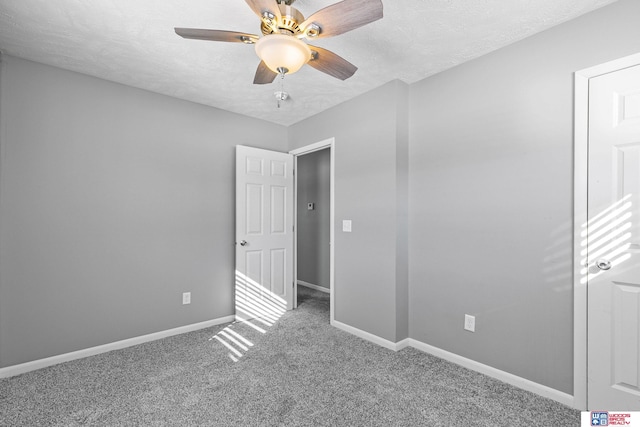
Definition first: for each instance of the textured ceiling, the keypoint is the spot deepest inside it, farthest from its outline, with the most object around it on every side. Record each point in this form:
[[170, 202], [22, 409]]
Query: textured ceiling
[[132, 42]]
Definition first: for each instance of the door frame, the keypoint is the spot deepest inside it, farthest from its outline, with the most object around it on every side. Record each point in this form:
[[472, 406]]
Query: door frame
[[580, 187], [308, 149]]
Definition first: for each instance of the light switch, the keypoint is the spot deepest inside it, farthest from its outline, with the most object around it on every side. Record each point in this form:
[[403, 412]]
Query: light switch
[[346, 225]]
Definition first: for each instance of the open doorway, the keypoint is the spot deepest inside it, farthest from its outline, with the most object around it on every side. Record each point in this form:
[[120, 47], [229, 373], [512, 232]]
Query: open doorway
[[312, 217], [314, 209]]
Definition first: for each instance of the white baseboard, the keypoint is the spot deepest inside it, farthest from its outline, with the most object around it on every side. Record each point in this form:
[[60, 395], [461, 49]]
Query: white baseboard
[[22, 368], [514, 380], [498, 374], [366, 335], [403, 344], [312, 286]]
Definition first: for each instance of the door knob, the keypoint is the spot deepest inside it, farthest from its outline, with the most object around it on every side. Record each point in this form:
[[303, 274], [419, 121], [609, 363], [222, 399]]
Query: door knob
[[603, 264], [243, 242]]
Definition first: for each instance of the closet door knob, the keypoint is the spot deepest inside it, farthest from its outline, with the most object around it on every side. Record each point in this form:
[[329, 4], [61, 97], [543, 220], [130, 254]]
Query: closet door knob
[[243, 243], [603, 264]]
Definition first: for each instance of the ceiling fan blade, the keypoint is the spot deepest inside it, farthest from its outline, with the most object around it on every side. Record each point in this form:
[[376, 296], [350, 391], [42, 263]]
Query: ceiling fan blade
[[344, 16], [328, 62], [261, 6], [264, 75], [216, 35]]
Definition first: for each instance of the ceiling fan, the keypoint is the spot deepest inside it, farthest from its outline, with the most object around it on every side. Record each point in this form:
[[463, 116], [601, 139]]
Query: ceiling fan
[[282, 48]]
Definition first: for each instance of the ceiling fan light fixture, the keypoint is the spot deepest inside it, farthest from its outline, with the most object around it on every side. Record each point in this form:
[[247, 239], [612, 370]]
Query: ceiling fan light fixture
[[283, 51]]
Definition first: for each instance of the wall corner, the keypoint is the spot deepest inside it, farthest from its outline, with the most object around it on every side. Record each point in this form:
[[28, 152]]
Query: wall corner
[[402, 210]]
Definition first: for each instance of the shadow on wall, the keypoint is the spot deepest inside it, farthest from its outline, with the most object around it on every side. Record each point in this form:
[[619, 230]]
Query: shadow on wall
[[606, 237], [256, 308]]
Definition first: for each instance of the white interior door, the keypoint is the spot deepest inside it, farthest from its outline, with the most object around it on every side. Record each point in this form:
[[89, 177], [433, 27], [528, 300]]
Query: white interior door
[[613, 239], [264, 233]]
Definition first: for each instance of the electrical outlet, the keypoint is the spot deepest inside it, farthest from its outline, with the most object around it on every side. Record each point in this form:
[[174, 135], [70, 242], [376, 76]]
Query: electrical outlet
[[186, 298], [470, 323]]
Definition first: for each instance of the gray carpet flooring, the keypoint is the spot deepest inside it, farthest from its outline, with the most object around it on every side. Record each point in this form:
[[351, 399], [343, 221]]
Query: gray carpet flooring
[[298, 372]]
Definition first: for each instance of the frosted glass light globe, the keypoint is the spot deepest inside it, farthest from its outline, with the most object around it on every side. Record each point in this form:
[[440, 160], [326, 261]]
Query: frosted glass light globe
[[283, 51]]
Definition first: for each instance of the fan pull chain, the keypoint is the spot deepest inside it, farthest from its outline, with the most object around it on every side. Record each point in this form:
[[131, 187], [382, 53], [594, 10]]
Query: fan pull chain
[[281, 95], [280, 98]]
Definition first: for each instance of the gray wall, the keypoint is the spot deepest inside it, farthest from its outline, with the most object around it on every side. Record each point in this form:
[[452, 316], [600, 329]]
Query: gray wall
[[113, 201], [491, 153], [313, 178], [366, 192]]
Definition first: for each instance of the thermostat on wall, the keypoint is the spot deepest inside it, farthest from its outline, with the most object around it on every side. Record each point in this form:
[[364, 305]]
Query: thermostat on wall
[[311, 206]]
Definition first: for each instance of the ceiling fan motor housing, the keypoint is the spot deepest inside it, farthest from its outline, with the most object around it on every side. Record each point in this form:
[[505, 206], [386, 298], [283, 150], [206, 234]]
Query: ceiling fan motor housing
[[288, 24]]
